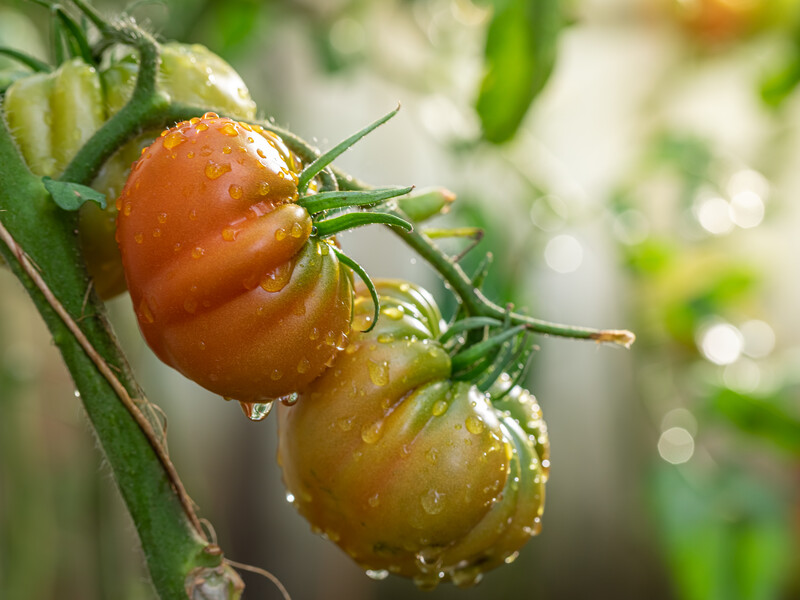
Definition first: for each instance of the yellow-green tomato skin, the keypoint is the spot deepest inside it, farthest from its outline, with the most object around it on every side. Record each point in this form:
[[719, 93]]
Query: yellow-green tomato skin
[[407, 470], [52, 115]]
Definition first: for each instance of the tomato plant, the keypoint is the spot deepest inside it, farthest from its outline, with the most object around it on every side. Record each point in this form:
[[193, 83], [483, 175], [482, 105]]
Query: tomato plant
[[407, 469], [228, 284]]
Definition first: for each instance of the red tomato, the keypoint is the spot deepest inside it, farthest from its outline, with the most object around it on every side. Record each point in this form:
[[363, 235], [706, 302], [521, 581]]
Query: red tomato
[[228, 284]]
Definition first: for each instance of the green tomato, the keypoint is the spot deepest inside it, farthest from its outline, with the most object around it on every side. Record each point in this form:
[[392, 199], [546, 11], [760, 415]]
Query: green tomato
[[52, 115], [406, 469]]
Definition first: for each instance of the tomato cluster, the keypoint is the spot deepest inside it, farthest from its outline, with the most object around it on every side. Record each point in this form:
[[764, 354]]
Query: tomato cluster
[[228, 284], [406, 469], [52, 115]]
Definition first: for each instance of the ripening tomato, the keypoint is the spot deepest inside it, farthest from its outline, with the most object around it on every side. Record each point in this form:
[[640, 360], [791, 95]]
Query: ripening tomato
[[407, 470], [228, 284]]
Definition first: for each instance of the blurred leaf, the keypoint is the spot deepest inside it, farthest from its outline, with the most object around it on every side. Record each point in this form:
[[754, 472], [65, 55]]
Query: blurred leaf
[[779, 84], [760, 417], [726, 536], [652, 256], [520, 54]]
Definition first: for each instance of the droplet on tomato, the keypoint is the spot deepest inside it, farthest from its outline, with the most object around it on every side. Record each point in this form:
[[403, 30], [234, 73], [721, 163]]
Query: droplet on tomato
[[145, 312], [229, 129], [276, 280], [297, 230], [216, 170], [474, 424], [229, 234], [378, 372], [263, 188], [235, 191], [172, 139], [371, 433], [303, 366], [280, 234], [256, 411]]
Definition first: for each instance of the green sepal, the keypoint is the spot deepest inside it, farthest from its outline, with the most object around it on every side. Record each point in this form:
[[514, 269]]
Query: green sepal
[[317, 203], [328, 157], [79, 45], [335, 225], [33, 63], [71, 196], [476, 351], [519, 374], [467, 324], [362, 273], [426, 204]]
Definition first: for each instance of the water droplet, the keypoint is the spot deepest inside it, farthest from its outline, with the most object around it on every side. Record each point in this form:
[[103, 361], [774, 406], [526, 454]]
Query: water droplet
[[297, 230], [198, 252], [190, 305], [280, 234], [276, 374], [290, 497], [226, 150], [138, 237], [77, 394], [439, 408], [426, 583], [173, 139], [467, 577], [201, 126], [289, 399], [260, 152], [145, 312], [432, 502], [378, 372], [215, 170], [205, 150], [156, 232], [345, 423], [235, 191], [511, 558], [229, 129], [314, 335], [303, 366], [432, 455], [263, 188], [395, 313], [378, 575], [385, 338], [374, 500], [276, 280], [229, 234], [372, 433], [126, 210], [256, 411], [474, 424], [332, 535], [330, 339]]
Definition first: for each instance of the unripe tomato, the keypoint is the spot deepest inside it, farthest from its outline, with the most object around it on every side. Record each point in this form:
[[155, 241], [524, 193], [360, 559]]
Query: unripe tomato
[[52, 115], [407, 470], [228, 285]]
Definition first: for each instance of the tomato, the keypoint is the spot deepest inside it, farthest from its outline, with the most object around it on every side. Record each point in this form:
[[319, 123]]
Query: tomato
[[52, 115], [717, 21], [228, 285], [407, 470]]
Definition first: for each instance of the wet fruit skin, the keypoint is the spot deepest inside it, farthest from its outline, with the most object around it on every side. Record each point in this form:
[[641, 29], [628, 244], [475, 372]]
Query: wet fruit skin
[[52, 115], [228, 285], [405, 469]]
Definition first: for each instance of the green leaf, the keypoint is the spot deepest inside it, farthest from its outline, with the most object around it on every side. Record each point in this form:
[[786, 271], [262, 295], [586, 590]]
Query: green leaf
[[764, 418], [71, 196], [519, 57], [335, 225]]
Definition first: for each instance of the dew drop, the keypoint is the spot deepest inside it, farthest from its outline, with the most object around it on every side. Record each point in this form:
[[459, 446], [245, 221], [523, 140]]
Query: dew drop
[[162, 218], [467, 577], [378, 372], [372, 433], [289, 399], [377, 575], [173, 139], [345, 423], [280, 234], [297, 230], [385, 338], [303, 366], [216, 170], [256, 411], [138, 237], [263, 188], [395, 313], [314, 335], [290, 497], [276, 374], [190, 154], [229, 129], [439, 408], [205, 150], [276, 280], [193, 215], [198, 252], [156, 232], [227, 150], [432, 502], [431, 455], [474, 424], [201, 126], [374, 500], [190, 305], [511, 558], [126, 210], [235, 191]]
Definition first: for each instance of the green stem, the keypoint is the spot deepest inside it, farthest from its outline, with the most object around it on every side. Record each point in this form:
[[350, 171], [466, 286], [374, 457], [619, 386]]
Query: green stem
[[33, 226]]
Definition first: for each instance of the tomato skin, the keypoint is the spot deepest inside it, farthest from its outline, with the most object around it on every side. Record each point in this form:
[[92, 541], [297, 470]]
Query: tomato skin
[[52, 115], [228, 286], [405, 469]]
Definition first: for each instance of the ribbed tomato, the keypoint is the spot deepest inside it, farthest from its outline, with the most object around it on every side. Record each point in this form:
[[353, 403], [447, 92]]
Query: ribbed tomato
[[228, 284], [407, 470]]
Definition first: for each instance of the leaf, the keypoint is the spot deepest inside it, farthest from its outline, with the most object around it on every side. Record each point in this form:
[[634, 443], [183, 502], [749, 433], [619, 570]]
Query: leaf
[[761, 417], [519, 57], [71, 196]]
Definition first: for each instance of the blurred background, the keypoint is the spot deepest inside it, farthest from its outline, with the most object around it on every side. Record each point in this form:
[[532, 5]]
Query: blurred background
[[634, 163]]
